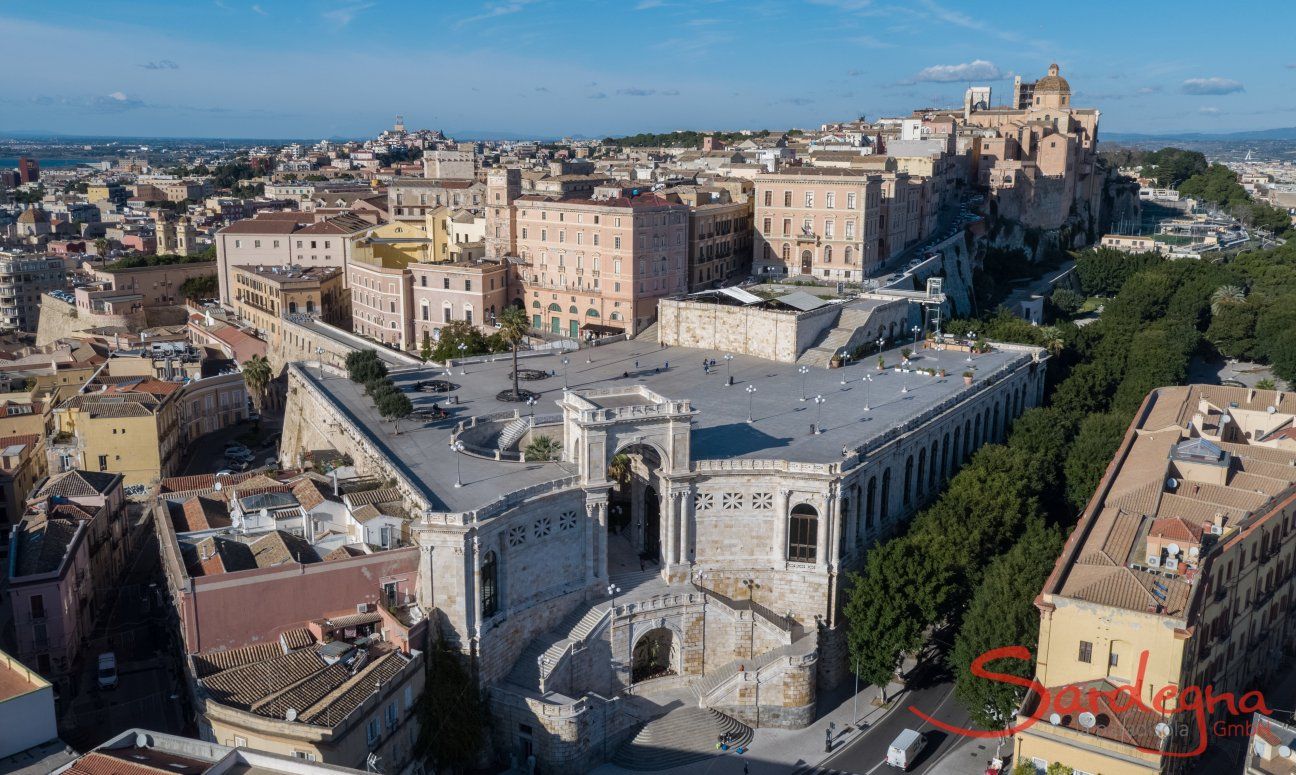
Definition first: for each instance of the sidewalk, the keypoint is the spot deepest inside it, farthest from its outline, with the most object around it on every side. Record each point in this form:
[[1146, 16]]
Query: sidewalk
[[781, 751]]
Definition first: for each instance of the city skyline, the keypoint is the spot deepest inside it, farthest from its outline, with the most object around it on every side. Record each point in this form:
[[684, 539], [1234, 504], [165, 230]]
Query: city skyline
[[545, 68]]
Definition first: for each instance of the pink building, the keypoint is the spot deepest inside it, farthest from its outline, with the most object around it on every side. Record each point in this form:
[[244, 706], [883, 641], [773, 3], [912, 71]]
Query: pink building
[[380, 302], [65, 557], [819, 221], [475, 291], [588, 266]]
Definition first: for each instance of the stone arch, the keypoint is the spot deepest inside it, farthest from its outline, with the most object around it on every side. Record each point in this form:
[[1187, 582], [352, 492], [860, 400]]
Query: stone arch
[[635, 501], [884, 504], [931, 464], [908, 481], [922, 473], [870, 504], [995, 430], [656, 652], [945, 454]]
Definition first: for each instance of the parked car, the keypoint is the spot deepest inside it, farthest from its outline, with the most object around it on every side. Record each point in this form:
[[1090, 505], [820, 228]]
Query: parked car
[[905, 748], [242, 456], [108, 670]]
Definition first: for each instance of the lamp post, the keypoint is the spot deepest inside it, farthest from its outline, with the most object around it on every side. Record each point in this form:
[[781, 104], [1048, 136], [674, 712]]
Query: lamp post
[[751, 392], [319, 357], [868, 390], [818, 426], [458, 447], [531, 404], [565, 361], [970, 347], [728, 357], [803, 371], [613, 591], [915, 330], [463, 353]]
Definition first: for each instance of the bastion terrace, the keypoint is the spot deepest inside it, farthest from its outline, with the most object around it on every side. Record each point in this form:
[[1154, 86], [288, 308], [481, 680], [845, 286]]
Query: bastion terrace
[[853, 416]]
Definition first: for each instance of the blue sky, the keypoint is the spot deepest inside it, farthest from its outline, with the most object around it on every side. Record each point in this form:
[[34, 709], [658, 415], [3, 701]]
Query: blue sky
[[314, 68]]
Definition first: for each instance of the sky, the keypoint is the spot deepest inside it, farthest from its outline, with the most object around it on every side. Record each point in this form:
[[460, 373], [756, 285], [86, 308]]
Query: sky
[[548, 68]]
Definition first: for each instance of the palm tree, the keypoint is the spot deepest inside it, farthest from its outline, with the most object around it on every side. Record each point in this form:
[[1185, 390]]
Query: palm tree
[[257, 375], [1226, 294], [618, 469], [543, 448], [513, 327]]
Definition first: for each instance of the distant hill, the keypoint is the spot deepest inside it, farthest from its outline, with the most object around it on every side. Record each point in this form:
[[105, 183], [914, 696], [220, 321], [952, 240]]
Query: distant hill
[[1277, 133]]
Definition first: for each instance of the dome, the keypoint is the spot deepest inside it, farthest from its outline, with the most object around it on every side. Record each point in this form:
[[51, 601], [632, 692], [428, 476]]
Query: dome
[[1052, 83]]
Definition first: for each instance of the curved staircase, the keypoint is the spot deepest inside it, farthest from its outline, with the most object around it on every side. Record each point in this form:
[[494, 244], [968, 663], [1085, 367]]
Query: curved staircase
[[683, 736]]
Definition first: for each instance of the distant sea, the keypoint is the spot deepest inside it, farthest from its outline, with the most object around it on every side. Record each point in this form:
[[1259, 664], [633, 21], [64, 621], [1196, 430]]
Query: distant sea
[[11, 162]]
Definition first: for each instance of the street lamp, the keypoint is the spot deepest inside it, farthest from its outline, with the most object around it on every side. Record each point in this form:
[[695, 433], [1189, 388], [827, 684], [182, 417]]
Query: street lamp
[[915, 330], [463, 353], [868, 389], [970, 347], [751, 392], [613, 591], [803, 371], [881, 342], [728, 357], [458, 448], [531, 402], [319, 357], [565, 361], [818, 426]]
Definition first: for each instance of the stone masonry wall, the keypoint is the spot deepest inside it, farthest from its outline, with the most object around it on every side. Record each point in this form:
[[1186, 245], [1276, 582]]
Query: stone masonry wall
[[777, 336]]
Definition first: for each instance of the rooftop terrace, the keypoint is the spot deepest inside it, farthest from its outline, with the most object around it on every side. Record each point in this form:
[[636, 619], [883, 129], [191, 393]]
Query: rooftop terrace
[[861, 406]]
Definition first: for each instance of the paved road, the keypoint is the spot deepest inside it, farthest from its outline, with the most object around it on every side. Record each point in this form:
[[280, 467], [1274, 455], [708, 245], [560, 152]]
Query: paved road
[[866, 754]]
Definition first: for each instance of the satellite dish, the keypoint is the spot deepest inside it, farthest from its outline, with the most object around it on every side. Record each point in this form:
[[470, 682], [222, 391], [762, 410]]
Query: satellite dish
[[1271, 409], [290, 714], [141, 740], [1087, 720], [1173, 549], [1225, 419], [1172, 483], [1162, 730], [217, 486], [1284, 751], [1055, 719]]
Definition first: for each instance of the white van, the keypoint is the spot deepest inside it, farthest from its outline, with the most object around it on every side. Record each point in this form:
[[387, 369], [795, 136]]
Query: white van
[[108, 670], [905, 748]]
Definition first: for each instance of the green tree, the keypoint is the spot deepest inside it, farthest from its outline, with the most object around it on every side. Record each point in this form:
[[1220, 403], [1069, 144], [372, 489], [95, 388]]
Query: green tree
[[1058, 768], [257, 376], [1067, 301], [1172, 166], [1000, 614], [452, 716], [891, 603], [425, 352], [1099, 436], [457, 333], [1265, 384], [363, 366], [200, 287], [513, 327], [543, 448], [394, 406]]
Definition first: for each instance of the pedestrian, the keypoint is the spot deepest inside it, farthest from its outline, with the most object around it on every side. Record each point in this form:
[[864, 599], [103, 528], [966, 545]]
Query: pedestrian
[[666, 366], [745, 770], [636, 363]]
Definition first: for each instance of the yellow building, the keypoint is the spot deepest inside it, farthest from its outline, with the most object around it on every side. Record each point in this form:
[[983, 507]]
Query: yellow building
[[263, 295], [1178, 575], [396, 243], [22, 464], [126, 425]]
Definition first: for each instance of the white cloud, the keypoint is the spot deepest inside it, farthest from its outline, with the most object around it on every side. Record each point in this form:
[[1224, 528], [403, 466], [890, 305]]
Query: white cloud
[[1210, 111], [342, 15], [494, 10], [258, 9], [976, 70], [1213, 85]]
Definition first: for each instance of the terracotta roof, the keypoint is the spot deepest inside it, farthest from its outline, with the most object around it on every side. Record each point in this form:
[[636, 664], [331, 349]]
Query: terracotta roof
[[42, 545], [199, 513], [335, 708], [131, 761], [1130, 725], [201, 481], [79, 484], [298, 638], [367, 497], [209, 662], [311, 493]]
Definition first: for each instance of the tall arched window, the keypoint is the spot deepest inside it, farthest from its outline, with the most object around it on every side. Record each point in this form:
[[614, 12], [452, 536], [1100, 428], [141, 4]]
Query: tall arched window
[[967, 439], [870, 504], [932, 470], [957, 457], [803, 533], [787, 252], [919, 483], [849, 254], [489, 585], [884, 505], [827, 254], [908, 481]]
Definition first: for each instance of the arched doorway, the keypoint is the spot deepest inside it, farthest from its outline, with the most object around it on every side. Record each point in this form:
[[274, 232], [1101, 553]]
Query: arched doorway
[[807, 262], [634, 502], [655, 654]]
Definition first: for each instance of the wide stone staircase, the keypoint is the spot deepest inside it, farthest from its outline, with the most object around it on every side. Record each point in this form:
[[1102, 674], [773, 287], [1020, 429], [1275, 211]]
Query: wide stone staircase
[[544, 652], [648, 334], [512, 433], [849, 321], [685, 735]]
